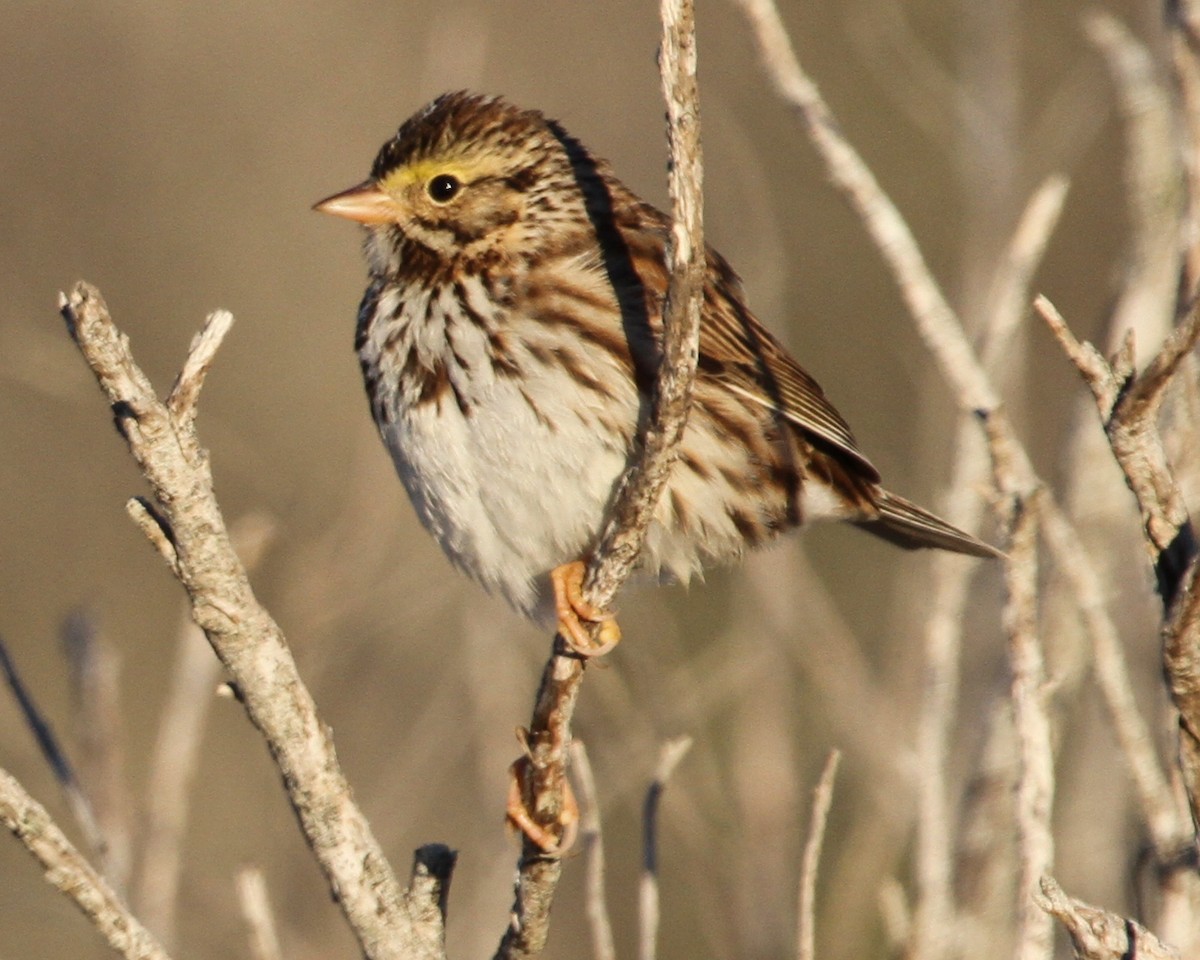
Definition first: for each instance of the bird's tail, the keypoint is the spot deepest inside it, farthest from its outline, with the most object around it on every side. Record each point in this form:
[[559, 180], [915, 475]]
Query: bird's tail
[[907, 525]]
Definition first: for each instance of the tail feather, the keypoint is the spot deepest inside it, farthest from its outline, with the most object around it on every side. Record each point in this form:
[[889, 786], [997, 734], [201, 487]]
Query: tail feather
[[911, 527]]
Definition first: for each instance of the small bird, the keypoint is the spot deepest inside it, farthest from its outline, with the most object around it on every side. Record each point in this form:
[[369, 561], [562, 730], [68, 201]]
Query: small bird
[[509, 338]]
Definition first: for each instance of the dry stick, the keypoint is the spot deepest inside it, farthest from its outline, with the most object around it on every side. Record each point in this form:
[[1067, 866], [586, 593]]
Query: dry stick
[[256, 911], [806, 925], [70, 872], [933, 927], [1154, 188], [672, 752], [1035, 781], [94, 669], [177, 751], [936, 321], [249, 643], [592, 837], [939, 328], [639, 489], [64, 774], [1159, 811], [1097, 934], [1128, 408], [1183, 22]]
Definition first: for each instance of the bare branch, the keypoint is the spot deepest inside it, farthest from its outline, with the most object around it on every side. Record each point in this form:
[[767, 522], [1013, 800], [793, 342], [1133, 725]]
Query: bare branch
[[1112, 676], [52, 751], [94, 671], [427, 894], [1035, 782], [549, 735], [1154, 187], [936, 321], [933, 927], [245, 638], [641, 486], [177, 750], [181, 401], [603, 947], [256, 911], [67, 870], [806, 925], [1097, 934], [673, 751]]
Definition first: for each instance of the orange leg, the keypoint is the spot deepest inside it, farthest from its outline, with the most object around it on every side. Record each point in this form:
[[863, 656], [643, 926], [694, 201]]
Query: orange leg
[[518, 815], [572, 610]]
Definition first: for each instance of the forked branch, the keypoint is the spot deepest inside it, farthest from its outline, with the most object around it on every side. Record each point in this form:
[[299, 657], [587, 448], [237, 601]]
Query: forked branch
[[185, 524]]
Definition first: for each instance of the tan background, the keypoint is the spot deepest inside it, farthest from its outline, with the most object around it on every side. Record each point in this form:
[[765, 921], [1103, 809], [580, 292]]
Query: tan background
[[169, 153]]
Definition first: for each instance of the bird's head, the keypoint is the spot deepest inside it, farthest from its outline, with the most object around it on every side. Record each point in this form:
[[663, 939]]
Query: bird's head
[[467, 176]]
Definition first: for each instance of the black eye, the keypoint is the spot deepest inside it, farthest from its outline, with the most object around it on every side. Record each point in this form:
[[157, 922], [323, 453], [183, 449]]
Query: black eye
[[443, 188]]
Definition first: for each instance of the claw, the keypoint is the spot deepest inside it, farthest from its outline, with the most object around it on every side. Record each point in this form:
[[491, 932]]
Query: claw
[[518, 815], [572, 610]]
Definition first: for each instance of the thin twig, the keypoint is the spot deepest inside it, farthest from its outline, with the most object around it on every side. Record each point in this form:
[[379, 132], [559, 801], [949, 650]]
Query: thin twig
[[94, 671], [256, 911], [52, 752], [1035, 780], [673, 751], [1112, 676], [593, 847], [933, 927], [1154, 182], [181, 401], [549, 733], [640, 487], [806, 925], [1017, 507], [67, 870], [177, 751], [936, 321]]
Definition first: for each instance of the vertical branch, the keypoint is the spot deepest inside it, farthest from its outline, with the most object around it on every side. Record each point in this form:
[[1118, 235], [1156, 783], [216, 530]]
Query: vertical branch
[[549, 735], [639, 490], [1035, 783], [673, 751], [177, 751], [933, 927], [593, 847], [806, 925]]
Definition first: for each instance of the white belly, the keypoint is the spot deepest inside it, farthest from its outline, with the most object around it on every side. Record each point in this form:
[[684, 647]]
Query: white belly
[[509, 490]]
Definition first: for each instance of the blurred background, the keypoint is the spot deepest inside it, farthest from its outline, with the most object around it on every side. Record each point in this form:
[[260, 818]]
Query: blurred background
[[170, 152]]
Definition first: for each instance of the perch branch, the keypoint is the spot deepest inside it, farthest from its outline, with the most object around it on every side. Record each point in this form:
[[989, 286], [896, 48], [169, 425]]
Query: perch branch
[[549, 734]]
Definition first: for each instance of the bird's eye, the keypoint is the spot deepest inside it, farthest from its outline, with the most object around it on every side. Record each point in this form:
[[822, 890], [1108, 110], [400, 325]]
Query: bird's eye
[[443, 188]]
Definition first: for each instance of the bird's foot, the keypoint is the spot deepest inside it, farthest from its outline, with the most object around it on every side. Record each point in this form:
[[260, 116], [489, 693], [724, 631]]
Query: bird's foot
[[573, 611], [518, 816]]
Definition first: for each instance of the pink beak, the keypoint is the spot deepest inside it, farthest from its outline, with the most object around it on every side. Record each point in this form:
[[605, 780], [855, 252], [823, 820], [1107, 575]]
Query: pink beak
[[365, 203]]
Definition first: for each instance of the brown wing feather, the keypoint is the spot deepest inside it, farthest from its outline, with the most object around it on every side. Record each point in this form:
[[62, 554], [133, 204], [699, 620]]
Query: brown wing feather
[[735, 348]]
